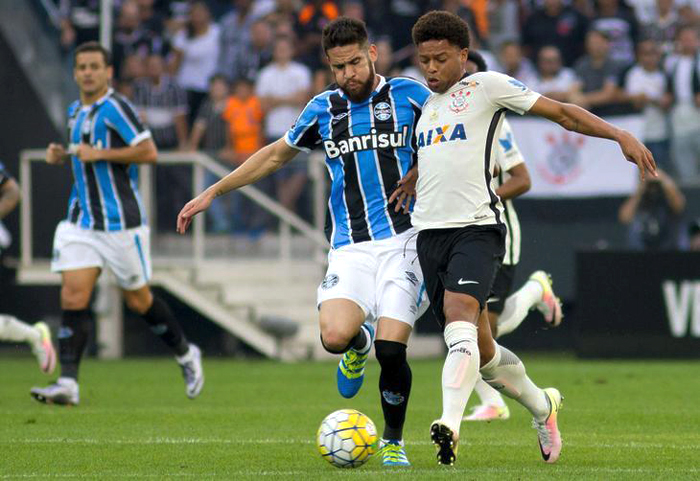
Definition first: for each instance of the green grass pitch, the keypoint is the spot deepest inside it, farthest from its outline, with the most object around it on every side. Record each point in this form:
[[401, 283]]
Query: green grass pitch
[[257, 420]]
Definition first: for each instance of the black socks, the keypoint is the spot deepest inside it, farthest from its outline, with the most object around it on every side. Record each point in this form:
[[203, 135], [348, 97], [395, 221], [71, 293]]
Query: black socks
[[394, 386], [164, 325], [72, 339]]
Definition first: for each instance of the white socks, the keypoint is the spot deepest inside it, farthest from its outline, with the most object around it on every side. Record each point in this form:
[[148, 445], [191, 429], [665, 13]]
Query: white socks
[[506, 373], [14, 330], [517, 306], [488, 395], [460, 372]]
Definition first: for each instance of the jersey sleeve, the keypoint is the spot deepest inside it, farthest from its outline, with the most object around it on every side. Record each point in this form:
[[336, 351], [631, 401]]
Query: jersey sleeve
[[506, 92], [305, 134], [508, 153], [121, 116]]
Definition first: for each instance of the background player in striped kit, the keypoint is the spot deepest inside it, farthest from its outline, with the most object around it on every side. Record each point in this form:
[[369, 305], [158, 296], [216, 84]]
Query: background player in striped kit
[[507, 311], [365, 124], [106, 225], [12, 329], [461, 233]]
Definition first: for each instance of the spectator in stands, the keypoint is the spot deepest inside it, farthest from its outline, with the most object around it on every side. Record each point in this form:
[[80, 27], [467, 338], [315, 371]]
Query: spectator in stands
[[662, 26], [596, 88], [617, 21], [694, 236], [556, 24], [162, 106], [196, 51], [511, 62], [130, 36], [284, 11], [80, 22], [211, 133], [385, 58], [151, 18], [283, 88], [504, 21], [134, 68], [259, 53], [315, 15], [644, 86], [653, 214], [244, 115], [235, 38], [552, 79], [683, 69]]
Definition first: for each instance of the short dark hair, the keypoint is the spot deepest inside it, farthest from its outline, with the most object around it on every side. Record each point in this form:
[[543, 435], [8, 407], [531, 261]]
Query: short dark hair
[[441, 25], [478, 60], [344, 31], [93, 47]]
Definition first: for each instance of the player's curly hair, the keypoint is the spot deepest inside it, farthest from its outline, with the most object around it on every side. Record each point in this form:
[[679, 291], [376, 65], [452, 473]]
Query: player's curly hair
[[344, 31], [441, 25]]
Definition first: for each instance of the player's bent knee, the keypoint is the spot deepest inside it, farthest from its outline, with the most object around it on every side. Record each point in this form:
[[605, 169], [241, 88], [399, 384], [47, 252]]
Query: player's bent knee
[[335, 341], [460, 307], [74, 299]]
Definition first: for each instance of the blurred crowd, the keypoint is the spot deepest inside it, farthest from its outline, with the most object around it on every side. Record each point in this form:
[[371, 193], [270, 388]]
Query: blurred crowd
[[226, 77]]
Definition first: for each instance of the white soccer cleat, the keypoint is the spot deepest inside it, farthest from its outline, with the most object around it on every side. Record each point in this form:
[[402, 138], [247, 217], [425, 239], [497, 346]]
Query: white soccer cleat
[[64, 392], [488, 412], [44, 351], [547, 430], [549, 305], [191, 365]]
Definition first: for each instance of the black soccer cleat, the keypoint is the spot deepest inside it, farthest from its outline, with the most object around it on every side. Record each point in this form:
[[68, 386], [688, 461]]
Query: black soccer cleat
[[445, 440]]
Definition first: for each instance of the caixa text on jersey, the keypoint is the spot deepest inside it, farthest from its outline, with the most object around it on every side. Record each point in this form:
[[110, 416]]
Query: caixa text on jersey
[[371, 141]]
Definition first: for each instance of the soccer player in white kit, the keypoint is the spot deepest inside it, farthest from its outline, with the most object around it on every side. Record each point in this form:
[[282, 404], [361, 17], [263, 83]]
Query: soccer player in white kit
[[507, 311], [460, 220]]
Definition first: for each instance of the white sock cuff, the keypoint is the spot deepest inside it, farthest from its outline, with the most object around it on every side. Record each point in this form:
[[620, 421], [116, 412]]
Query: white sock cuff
[[460, 330], [494, 362]]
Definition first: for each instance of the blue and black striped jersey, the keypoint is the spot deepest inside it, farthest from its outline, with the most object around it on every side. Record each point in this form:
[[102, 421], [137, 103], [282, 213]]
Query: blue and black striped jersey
[[369, 146], [105, 194]]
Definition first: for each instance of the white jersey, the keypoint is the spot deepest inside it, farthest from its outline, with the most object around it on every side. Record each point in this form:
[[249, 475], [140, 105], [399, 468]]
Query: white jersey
[[508, 155], [455, 138]]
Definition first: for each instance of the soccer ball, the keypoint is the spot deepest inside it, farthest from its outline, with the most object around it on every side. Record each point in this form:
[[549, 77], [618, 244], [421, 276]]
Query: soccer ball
[[347, 438]]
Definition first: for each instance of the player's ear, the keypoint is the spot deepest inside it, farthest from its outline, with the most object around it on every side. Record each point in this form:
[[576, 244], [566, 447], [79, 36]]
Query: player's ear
[[372, 50], [464, 55]]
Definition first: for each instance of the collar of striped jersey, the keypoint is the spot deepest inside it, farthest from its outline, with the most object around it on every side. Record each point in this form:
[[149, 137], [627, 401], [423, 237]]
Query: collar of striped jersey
[[97, 102]]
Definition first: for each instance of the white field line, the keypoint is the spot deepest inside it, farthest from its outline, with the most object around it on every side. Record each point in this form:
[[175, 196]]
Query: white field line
[[284, 441], [363, 471]]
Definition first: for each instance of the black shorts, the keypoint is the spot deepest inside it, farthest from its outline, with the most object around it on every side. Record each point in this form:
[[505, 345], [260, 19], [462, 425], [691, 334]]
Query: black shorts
[[463, 260], [502, 286]]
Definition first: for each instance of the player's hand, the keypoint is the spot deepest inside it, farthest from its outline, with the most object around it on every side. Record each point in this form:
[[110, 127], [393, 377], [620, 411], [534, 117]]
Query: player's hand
[[405, 191], [55, 154], [635, 152], [192, 208], [87, 153]]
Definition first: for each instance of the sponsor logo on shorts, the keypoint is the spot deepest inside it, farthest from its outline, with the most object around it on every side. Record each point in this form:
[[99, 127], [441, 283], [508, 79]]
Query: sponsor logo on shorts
[[393, 398], [133, 279], [330, 281], [412, 277], [462, 282]]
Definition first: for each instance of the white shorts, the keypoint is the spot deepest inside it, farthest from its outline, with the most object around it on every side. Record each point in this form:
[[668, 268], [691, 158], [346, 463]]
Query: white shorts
[[127, 253], [382, 277]]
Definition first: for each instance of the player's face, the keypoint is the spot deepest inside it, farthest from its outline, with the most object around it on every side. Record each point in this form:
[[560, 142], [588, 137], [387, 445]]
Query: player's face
[[91, 73], [442, 64], [353, 69]]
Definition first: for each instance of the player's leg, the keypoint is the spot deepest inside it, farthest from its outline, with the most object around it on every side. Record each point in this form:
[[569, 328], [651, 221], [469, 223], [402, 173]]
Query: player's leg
[[346, 298], [536, 293], [504, 371], [37, 336], [76, 325], [128, 255]]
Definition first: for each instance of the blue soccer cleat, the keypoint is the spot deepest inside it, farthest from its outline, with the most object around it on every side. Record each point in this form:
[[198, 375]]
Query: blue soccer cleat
[[393, 453], [351, 368]]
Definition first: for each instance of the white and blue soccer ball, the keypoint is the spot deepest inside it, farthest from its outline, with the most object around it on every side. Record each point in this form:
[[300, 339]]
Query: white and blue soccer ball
[[347, 438]]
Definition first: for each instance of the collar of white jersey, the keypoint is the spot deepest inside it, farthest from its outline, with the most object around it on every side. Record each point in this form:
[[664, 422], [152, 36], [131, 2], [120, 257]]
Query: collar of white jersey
[[110, 91]]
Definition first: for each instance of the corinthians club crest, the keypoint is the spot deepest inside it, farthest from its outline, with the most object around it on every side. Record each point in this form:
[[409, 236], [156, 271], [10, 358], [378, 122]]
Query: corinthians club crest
[[459, 101], [563, 161]]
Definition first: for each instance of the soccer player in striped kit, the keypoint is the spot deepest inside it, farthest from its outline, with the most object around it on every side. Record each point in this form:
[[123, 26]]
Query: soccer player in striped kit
[[106, 224], [365, 124]]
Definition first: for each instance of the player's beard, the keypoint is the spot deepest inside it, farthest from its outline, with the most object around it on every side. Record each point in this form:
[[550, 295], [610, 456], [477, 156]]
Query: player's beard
[[363, 93]]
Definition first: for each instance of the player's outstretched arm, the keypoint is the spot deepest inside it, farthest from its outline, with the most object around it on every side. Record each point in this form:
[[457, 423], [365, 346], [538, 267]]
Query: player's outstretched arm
[[405, 190], [9, 197], [261, 164], [574, 118]]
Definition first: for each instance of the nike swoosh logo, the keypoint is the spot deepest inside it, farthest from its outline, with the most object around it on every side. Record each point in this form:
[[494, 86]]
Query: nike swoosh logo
[[545, 456], [462, 282], [338, 117], [458, 342]]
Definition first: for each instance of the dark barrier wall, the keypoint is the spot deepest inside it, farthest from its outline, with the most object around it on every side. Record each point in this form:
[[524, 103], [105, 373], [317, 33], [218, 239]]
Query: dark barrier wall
[[638, 304]]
